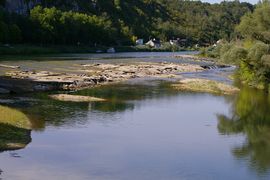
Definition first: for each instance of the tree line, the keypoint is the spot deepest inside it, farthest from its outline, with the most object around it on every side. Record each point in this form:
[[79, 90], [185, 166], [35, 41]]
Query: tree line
[[120, 22], [251, 52]]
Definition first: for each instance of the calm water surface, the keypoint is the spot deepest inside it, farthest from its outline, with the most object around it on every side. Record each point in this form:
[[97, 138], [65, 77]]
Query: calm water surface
[[145, 130]]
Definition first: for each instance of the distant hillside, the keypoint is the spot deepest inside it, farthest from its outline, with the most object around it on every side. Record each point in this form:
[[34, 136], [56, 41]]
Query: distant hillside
[[197, 22]]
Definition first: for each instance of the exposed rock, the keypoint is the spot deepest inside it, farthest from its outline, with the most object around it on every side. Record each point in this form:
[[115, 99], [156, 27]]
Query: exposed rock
[[91, 74], [204, 85], [75, 98]]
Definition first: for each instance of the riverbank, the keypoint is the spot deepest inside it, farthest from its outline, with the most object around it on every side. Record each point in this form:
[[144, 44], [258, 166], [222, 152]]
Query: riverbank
[[27, 49], [88, 75], [205, 85], [15, 130]]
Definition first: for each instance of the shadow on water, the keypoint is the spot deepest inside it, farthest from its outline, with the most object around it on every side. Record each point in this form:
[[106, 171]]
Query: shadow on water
[[13, 138], [250, 115], [15, 130], [41, 111]]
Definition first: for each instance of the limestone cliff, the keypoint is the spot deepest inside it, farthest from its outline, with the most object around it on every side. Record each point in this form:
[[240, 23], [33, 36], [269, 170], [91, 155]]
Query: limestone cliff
[[20, 6]]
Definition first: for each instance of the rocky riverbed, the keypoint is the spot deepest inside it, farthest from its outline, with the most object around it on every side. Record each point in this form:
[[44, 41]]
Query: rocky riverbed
[[88, 75]]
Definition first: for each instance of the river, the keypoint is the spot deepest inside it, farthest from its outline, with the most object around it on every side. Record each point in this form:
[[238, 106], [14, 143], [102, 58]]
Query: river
[[145, 130]]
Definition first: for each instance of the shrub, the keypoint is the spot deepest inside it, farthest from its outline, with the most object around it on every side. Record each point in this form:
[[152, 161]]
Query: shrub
[[256, 52], [234, 55]]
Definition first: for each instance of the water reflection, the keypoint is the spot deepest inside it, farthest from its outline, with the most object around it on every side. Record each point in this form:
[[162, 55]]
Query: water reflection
[[37, 111], [143, 130], [15, 130], [43, 111], [132, 90], [250, 115], [13, 138]]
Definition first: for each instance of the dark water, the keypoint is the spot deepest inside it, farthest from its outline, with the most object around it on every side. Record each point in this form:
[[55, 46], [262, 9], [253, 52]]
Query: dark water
[[145, 130]]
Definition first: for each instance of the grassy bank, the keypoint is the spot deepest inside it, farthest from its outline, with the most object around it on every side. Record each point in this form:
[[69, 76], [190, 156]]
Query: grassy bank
[[204, 85], [26, 49], [15, 129], [13, 138]]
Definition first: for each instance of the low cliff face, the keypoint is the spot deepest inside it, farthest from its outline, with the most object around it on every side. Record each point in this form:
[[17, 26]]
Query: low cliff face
[[20, 6], [24, 6]]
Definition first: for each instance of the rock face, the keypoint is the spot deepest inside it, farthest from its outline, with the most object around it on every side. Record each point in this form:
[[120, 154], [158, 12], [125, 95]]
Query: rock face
[[90, 75], [24, 6], [20, 6]]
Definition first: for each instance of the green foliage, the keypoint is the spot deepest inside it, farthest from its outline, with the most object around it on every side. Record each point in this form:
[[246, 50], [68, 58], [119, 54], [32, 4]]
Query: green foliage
[[13, 138], [58, 27], [246, 74], [256, 62], [266, 60], [205, 23], [233, 55], [110, 22], [15, 33], [9, 31], [228, 53], [14, 117], [253, 62], [253, 55], [256, 52], [256, 25], [250, 117]]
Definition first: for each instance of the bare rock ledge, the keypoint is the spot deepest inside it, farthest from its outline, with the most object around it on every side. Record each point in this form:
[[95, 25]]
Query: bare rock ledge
[[89, 75]]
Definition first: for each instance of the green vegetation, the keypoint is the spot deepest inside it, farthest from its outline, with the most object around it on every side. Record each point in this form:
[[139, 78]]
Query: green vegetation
[[14, 117], [15, 129], [252, 53], [12, 138], [250, 116], [204, 85], [118, 23]]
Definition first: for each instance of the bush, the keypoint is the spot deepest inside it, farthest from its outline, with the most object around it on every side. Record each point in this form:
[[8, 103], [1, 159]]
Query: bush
[[256, 52], [233, 55], [212, 52], [246, 74]]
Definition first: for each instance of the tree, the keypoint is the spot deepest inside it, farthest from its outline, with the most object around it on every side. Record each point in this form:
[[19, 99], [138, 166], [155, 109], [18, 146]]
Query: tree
[[257, 25]]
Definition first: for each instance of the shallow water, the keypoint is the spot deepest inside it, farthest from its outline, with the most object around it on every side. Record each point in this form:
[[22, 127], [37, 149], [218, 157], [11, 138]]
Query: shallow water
[[145, 130], [69, 62]]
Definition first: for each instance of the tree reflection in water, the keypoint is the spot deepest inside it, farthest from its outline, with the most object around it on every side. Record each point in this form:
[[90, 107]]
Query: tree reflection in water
[[15, 129], [250, 115]]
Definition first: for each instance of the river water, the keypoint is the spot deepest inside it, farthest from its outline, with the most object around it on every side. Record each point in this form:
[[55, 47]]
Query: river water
[[145, 130]]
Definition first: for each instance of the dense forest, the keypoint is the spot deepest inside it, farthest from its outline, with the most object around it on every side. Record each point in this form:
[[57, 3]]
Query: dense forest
[[252, 51], [118, 22]]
